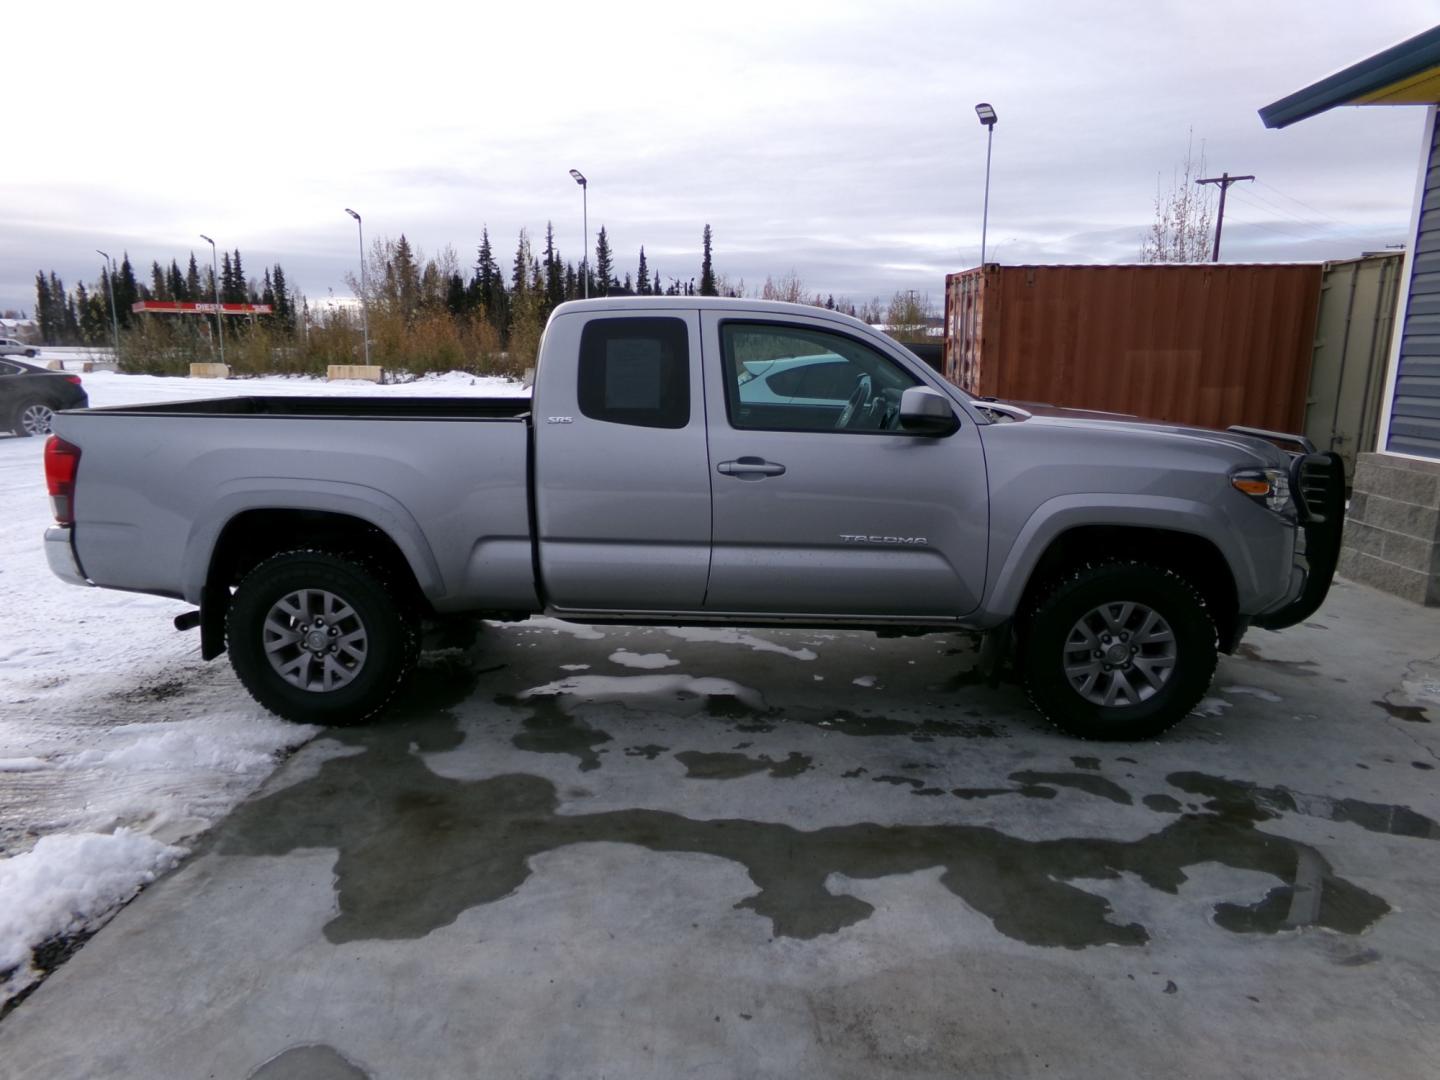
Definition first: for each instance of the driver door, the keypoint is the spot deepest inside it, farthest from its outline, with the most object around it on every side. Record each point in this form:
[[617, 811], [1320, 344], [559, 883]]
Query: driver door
[[821, 504]]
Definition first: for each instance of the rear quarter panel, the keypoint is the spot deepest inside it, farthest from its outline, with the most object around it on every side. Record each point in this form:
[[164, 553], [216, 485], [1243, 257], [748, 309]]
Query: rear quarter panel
[[154, 493]]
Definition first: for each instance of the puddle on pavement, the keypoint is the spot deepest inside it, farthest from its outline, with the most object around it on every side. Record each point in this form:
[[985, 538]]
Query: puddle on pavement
[[315, 1062], [1086, 782], [1295, 667], [415, 849], [1242, 800], [549, 729], [702, 766], [1415, 714]]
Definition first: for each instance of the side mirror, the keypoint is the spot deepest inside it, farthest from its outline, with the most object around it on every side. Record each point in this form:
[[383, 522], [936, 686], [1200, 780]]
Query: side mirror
[[927, 412]]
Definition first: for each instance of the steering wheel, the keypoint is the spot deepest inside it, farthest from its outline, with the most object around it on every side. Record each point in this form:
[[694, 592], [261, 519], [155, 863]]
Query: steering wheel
[[858, 404]]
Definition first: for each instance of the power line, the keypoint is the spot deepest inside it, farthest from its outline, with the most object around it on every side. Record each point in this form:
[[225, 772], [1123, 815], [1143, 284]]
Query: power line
[[1319, 230], [1300, 202]]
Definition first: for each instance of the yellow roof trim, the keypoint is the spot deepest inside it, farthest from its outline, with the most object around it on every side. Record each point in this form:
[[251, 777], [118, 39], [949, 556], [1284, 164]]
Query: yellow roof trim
[[1422, 88]]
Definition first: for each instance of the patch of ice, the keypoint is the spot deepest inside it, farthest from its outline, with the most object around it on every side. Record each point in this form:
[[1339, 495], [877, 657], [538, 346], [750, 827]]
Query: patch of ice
[[615, 687], [722, 636], [1253, 691], [864, 680], [574, 667], [544, 622], [1211, 706], [626, 658], [23, 764], [69, 883]]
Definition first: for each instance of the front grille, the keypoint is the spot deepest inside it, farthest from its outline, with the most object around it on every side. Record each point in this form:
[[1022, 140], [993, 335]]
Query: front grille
[[1316, 480]]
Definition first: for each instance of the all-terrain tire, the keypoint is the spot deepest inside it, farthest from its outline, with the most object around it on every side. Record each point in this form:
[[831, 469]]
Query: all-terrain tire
[[1056, 667], [371, 651]]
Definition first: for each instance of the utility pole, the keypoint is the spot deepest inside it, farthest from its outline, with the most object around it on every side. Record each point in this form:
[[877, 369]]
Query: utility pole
[[1224, 180]]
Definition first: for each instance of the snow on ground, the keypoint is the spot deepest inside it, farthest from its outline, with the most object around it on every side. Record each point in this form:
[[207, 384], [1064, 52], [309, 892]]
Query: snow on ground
[[118, 744], [626, 658], [597, 688]]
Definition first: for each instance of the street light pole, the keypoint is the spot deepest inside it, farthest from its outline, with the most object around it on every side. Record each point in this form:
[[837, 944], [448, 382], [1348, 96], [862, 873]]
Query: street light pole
[[215, 282], [364, 288], [114, 318], [585, 224], [986, 112]]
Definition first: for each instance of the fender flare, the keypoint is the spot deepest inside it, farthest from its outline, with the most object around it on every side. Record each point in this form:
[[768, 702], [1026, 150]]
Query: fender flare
[[1065, 512], [367, 504]]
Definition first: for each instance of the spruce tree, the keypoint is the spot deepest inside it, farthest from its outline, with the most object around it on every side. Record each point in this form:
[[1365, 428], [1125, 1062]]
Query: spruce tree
[[642, 278], [158, 285], [603, 266], [239, 292], [127, 291], [554, 271], [44, 312], [227, 279], [707, 270], [176, 282], [520, 268], [455, 300], [490, 284], [284, 304], [403, 277], [192, 280]]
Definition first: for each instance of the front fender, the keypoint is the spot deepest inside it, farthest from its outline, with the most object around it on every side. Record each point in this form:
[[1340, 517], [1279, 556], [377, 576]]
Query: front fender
[[368, 504], [1056, 516]]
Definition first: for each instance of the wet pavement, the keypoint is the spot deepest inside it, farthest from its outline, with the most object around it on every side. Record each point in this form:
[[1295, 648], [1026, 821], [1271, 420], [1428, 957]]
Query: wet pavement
[[608, 852]]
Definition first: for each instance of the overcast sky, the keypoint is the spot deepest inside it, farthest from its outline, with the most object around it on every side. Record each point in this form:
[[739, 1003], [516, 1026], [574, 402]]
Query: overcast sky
[[835, 140]]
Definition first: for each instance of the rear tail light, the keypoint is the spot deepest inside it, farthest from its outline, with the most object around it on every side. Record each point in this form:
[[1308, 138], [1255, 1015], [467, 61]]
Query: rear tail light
[[62, 462], [73, 379]]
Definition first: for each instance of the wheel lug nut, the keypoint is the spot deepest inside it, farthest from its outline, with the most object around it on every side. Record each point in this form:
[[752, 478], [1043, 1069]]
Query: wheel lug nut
[[1124, 637]]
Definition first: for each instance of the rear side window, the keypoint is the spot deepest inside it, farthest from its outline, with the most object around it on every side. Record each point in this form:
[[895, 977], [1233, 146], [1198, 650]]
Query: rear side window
[[636, 371]]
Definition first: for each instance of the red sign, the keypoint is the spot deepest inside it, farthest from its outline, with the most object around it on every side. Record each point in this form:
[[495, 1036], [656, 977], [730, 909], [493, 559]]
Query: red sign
[[185, 307]]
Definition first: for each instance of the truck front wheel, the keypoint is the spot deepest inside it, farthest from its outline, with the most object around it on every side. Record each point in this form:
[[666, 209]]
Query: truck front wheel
[[320, 638], [1118, 650]]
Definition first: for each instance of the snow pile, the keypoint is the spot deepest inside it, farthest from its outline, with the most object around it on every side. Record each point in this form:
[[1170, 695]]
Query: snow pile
[[68, 885], [211, 743]]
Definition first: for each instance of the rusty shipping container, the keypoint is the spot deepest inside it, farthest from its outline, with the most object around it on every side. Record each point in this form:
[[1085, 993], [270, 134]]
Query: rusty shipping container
[[1205, 344]]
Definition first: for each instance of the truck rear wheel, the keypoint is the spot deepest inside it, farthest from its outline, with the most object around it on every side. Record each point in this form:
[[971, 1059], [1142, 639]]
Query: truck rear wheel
[[1118, 650], [320, 638]]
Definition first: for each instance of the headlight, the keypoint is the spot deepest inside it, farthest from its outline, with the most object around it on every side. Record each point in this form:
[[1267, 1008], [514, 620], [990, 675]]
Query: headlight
[[1269, 487]]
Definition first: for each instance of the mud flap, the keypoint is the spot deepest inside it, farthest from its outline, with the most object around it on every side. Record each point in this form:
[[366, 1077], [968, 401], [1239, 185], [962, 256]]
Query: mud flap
[[214, 604], [1318, 484]]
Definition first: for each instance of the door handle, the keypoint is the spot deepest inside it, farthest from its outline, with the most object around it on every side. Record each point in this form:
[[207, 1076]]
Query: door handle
[[750, 468]]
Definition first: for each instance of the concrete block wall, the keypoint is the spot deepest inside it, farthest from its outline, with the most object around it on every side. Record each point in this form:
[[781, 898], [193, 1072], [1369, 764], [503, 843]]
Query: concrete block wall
[[1392, 530]]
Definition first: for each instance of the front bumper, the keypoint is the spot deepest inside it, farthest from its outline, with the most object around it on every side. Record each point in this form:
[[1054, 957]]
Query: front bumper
[[60, 554], [1318, 481]]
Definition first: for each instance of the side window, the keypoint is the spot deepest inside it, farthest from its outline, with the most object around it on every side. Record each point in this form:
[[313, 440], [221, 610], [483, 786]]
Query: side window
[[636, 371], [7, 369], [781, 377]]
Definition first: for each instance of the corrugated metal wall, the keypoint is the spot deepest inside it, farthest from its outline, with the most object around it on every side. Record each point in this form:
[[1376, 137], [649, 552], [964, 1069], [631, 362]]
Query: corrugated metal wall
[[1415, 414], [1353, 333], [1206, 344]]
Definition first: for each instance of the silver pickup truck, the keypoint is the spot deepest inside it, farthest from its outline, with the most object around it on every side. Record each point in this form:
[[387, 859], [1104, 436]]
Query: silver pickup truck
[[702, 461]]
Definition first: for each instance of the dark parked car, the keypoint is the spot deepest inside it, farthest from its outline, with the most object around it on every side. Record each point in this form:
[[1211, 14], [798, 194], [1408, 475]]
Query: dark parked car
[[30, 396]]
